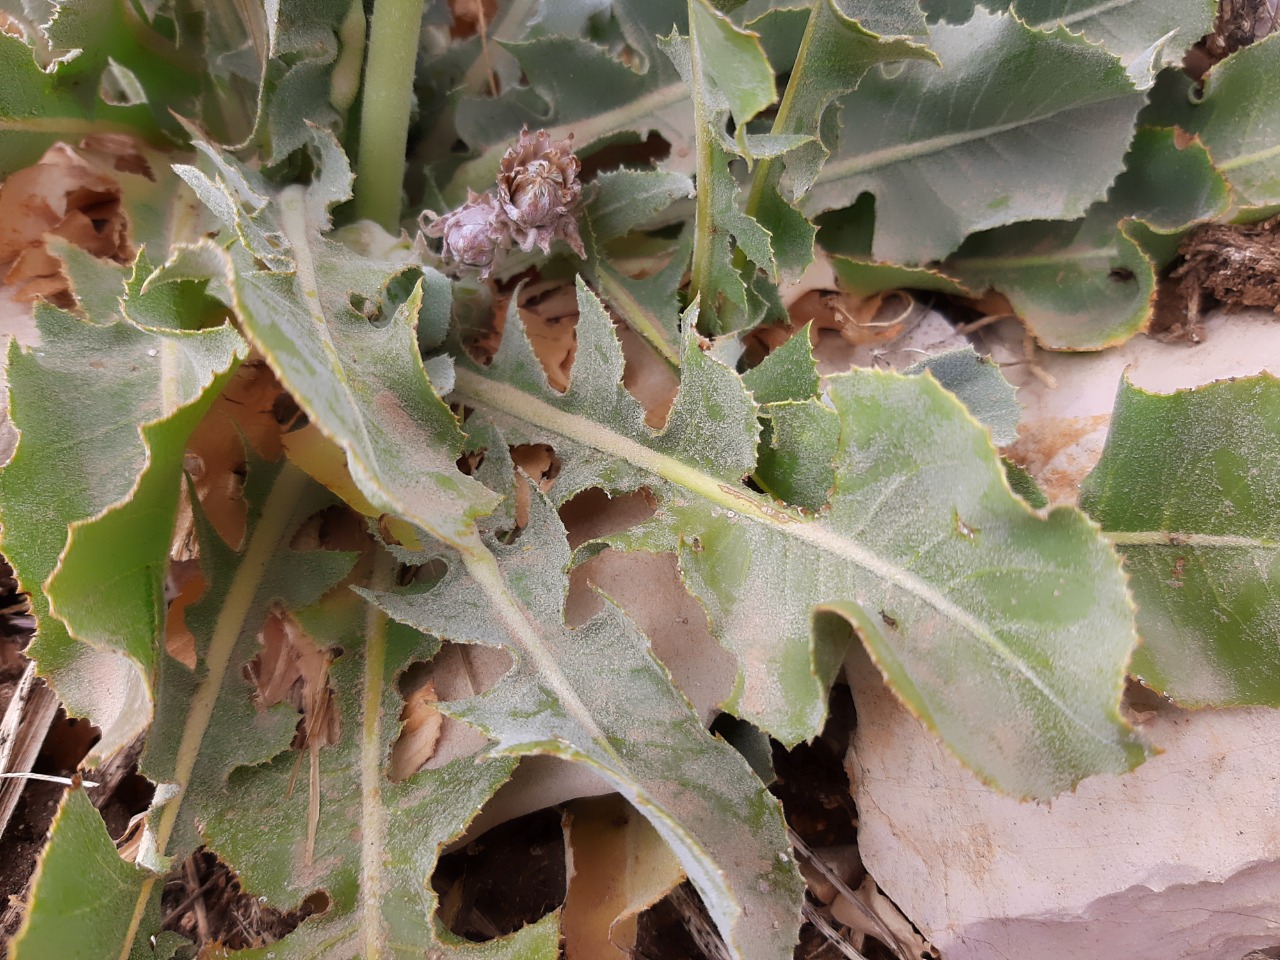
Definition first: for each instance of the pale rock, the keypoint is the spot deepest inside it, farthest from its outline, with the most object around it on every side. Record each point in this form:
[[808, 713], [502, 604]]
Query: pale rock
[[1177, 860]]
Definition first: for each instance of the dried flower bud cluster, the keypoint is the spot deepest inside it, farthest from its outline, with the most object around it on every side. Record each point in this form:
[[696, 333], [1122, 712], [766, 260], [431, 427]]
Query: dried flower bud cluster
[[537, 191]]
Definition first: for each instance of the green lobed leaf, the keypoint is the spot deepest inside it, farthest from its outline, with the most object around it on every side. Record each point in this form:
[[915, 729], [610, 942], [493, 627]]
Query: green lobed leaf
[[205, 723], [390, 368], [1187, 490], [577, 87], [597, 695], [730, 78], [361, 381], [864, 278], [888, 18], [106, 409], [1236, 118], [796, 454], [1144, 34], [1015, 125], [976, 608], [626, 200], [1089, 283], [379, 898], [78, 868], [978, 383], [93, 39], [834, 54], [35, 112]]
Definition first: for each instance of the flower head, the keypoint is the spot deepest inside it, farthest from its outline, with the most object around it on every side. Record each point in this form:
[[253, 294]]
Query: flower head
[[475, 234], [537, 188]]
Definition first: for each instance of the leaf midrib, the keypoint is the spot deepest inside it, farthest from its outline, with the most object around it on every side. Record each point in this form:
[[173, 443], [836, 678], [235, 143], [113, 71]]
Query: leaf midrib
[[479, 391], [887, 156]]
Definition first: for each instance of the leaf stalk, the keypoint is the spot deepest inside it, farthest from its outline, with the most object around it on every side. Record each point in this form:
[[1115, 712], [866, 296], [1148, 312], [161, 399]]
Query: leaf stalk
[[385, 107]]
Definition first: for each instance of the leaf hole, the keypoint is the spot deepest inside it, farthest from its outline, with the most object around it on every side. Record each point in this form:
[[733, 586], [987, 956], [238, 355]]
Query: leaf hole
[[594, 513], [428, 738], [1121, 275], [509, 876], [203, 901], [336, 527], [627, 151], [540, 463], [292, 668]]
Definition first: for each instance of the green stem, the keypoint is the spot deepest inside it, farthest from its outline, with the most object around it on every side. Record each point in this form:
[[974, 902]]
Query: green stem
[[767, 170], [634, 313], [384, 115], [703, 231]]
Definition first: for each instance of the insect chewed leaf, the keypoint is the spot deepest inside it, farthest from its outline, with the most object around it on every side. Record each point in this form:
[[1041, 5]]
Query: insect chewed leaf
[[597, 695], [356, 373], [923, 548], [377, 895], [1186, 489], [255, 534]]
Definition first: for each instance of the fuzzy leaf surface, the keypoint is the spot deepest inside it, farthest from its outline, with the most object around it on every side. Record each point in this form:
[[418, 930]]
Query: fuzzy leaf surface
[[1236, 117], [113, 431], [360, 380], [834, 54], [577, 87], [627, 200], [79, 866], [1144, 34], [597, 695], [1187, 489], [381, 903], [961, 141], [1089, 283], [977, 383], [923, 547]]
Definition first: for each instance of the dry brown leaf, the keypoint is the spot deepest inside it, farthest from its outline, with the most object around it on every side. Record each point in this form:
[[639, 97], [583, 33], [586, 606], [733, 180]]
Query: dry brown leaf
[[253, 407], [70, 193], [617, 867], [291, 668], [471, 16], [184, 585], [908, 944], [421, 723], [858, 321], [538, 462]]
